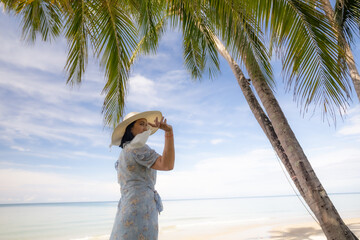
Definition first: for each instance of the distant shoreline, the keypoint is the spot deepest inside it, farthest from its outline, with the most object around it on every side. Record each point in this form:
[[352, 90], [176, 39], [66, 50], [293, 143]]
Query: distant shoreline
[[165, 200]]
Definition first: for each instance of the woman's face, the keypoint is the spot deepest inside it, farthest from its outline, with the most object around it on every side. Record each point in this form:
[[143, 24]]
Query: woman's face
[[139, 126]]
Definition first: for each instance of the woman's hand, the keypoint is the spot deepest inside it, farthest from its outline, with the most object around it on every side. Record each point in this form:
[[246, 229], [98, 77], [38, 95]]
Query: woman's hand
[[162, 124], [167, 160]]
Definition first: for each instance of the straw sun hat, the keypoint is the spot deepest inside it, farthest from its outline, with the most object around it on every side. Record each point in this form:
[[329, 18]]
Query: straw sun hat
[[131, 117]]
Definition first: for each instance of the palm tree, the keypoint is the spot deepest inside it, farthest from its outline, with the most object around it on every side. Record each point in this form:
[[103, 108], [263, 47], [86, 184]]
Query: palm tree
[[296, 28], [318, 201], [346, 20], [280, 134], [277, 128]]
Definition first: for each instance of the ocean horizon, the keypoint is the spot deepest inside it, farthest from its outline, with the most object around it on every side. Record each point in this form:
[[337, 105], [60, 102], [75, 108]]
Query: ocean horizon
[[94, 220], [176, 199]]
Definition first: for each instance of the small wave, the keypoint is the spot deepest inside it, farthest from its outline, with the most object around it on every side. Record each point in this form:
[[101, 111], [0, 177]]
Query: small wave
[[100, 237]]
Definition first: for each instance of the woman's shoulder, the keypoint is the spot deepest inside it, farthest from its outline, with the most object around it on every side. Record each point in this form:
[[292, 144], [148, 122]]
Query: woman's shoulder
[[143, 155], [139, 150]]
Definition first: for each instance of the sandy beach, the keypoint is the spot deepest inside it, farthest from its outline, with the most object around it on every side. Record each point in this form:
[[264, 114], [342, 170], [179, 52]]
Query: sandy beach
[[298, 231], [269, 218], [232, 231], [310, 231]]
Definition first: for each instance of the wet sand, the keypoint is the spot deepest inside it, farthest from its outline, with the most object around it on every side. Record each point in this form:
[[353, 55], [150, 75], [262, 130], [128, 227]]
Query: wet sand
[[275, 231], [309, 231]]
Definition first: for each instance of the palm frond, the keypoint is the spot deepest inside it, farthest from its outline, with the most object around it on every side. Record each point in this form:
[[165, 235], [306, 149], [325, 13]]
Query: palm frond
[[240, 30], [150, 20], [148, 38], [114, 45], [193, 54], [10, 5], [38, 17], [309, 51], [78, 22], [200, 53], [347, 16]]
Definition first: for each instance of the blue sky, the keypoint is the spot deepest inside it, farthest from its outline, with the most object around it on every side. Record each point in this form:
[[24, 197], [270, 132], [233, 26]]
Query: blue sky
[[54, 147]]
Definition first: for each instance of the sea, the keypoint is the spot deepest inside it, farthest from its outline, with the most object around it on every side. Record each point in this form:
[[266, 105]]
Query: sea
[[94, 220]]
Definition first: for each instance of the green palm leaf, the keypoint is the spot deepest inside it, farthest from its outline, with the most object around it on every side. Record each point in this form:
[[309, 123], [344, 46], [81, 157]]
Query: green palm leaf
[[78, 27], [38, 17], [227, 19], [10, 5], [200, 53], [347, 15], [114, 44], [142, 46], [240, 30], [310, 53], [150, 19]]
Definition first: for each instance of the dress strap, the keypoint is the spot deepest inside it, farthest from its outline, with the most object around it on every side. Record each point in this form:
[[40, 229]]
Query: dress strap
[[158, 201]]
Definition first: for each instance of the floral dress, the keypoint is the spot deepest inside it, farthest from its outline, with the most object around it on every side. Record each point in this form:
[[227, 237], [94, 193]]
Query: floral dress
[[140, 204]]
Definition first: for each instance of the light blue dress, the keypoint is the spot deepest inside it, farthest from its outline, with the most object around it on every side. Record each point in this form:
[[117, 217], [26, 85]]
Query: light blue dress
[[140, 204]]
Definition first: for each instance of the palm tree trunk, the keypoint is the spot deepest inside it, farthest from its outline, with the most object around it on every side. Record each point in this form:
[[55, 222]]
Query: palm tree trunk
[[313, 192], [354, 73], [289, 150]]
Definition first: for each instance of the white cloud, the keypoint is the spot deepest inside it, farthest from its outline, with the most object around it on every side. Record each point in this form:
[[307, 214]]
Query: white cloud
[[215, 177], [347, 156], [259, 173], [253, 173], [21, 149], [41, 108], [32, 186], [216, 141], [181, 100], [27, 130], [49, 57], [143, 92], [56, 155], [165, 92], [45, 87], [353, 128], [337, 167], [6, 165]]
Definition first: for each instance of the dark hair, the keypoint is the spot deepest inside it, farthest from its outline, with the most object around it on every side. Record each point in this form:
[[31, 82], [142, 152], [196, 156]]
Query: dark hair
[[128, 136]]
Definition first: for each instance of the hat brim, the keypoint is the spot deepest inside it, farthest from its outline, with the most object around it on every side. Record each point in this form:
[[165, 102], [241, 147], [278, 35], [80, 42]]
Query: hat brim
[[119, 131]]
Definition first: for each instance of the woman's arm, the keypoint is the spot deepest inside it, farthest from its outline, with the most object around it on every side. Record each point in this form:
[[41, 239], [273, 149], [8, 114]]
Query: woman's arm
[[167, 160]]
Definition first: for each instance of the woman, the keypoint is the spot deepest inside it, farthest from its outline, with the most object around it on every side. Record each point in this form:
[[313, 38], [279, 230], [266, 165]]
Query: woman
[[137, 215]]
